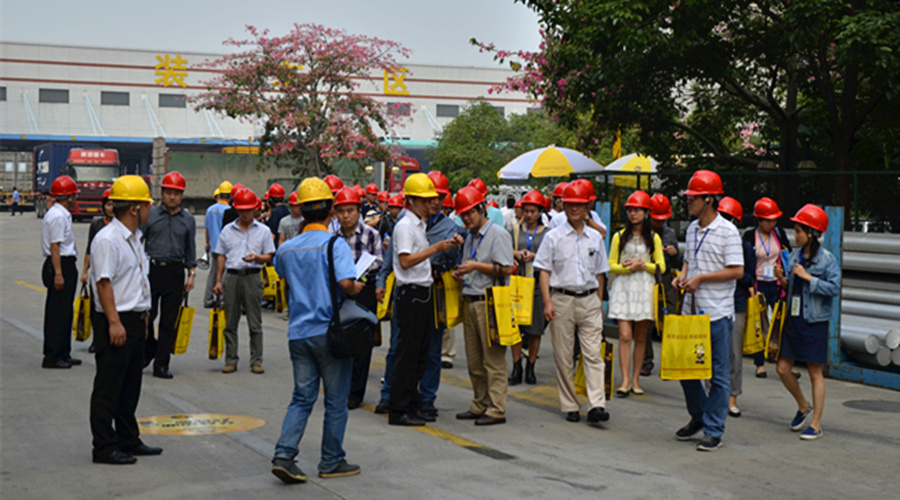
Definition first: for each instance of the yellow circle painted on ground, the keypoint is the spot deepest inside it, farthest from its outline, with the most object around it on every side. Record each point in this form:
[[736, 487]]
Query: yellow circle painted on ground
[[197, 424]]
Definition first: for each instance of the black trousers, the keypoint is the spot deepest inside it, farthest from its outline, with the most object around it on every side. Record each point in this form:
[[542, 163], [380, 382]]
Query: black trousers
[[59, 307], [414, 308], [166, 295], [360, 374], [117, 385]]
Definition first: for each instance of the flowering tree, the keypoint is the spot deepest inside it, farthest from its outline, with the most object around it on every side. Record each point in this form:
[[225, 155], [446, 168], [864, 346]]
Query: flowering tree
[[302, 88], [697, 78]]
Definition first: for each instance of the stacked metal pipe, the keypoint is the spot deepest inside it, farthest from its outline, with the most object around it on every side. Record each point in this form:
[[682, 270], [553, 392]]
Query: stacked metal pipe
[[870, 298]]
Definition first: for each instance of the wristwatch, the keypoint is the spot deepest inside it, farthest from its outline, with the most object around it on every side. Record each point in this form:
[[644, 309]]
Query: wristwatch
[[192, 273]]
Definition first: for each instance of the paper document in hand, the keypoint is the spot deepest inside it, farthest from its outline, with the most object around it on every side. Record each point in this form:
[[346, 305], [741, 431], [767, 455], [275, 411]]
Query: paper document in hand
[[364, 263]]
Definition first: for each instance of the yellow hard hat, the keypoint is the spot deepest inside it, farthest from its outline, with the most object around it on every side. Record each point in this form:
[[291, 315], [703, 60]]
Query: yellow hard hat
[[313, 189], [216, 192], [419, 185], [130, 188], [225, 187]]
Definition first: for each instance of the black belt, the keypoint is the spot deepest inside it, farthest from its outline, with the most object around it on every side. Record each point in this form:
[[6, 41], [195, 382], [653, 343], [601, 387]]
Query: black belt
[[134, 314], [245, 271], [575, 294], [164, 263], [415, 287], [474, 298], [66, 257]]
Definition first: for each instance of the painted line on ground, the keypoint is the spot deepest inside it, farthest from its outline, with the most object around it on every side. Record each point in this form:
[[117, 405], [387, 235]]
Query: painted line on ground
[[31, 287]]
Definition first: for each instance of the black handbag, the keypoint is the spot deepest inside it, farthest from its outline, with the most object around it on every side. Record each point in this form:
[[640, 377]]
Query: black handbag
[[350, 339]]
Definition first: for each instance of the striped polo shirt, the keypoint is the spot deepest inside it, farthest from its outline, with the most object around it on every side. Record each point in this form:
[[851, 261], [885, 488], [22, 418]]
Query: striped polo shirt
[[712, 249]]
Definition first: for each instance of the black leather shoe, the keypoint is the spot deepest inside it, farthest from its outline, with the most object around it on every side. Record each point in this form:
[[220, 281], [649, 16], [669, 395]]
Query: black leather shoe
[[468, 415], [143, 449], [115, 457], [598, 414], [429, 409], [530, 379], [446, 365], [73, 361], [425, 417], [515, 378], [382, 407], [573, 416], [163, 373], [486, 420], [92, 349], [407, 421], [62, 363], [352, 403]]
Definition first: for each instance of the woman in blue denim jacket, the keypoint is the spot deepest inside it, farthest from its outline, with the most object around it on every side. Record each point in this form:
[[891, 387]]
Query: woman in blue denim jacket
[[812, 280]]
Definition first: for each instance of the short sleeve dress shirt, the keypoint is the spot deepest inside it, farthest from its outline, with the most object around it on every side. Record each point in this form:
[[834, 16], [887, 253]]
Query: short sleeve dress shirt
[[56, 227], [234, 244], [573, 260], [409, 238], [117, 255]]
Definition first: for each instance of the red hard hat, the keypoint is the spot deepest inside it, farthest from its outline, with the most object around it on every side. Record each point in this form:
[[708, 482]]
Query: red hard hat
[[493, 204], [276, 191], [266, 196], [639, 199], [334, 183], [235, 189], [395, 201], [730, 206], [448, 202], [347, 196], [245, 199], [660, 207], [577, 192], [587, 184], [441, 184], [547, 203], [293, 199], [766, 208], [384, 196], [468, 198], [173, 180], [520, 202], [360, 191], [704, 182], [479, 185], [812, 216], [372, 188], [63, 186], [558, 190], [534, 197], [105, 195]]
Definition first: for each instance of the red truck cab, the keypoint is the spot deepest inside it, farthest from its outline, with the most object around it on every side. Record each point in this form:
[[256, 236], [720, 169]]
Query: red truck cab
[[94, 171]]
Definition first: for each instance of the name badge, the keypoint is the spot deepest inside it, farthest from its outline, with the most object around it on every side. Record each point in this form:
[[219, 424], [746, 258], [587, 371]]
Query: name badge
[[769, 272], [467, 281], [795, 306]]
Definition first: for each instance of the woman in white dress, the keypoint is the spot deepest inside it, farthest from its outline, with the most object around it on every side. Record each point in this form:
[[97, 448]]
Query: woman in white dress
[[633, 270]]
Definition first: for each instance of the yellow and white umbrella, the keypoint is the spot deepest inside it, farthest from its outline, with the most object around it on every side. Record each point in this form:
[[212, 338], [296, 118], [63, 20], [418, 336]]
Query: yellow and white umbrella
[[551, 161], [632, 163]]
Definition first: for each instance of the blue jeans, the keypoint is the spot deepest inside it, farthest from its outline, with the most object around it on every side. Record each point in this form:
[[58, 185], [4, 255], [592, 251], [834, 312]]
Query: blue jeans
[[313, 362], [712, 408], [428, 387], [389, 360]]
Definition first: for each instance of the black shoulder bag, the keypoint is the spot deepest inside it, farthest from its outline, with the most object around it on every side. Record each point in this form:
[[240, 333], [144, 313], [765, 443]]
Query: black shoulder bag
[[345, 340]]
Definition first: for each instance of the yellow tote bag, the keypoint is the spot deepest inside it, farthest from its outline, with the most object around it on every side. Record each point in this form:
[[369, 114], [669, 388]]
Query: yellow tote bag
[[385, 305], [501, 322], [280, 298], [686, 348], [269, 278], [606, 351], [580, 380], [659, 303], [183, 324], [216, 333], [754, 341], [522, 289], [773, 339], [447, 302], [81, 321]]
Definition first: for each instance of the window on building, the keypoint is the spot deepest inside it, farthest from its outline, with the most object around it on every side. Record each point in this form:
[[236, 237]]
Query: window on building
[[399, 108], [53, 95], [2, 93], [501, 110], [23, 167], [114, 98], [447, 110], [10, 166], [172, 101]]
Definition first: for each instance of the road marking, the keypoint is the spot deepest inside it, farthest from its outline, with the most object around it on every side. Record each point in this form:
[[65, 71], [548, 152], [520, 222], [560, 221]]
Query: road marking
[[453, 438], [30, 286]]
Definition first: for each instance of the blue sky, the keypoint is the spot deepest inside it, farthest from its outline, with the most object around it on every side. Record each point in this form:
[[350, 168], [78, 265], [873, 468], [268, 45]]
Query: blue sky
[[437, 31]]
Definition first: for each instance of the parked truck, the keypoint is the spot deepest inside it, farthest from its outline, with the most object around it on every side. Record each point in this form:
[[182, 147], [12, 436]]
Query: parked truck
[[92, 168], [16, 171]]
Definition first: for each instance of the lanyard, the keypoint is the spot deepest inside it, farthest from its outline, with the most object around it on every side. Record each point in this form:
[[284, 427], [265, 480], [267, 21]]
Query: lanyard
[[697, 246], [475, 247], [529, 238], [765, 247], [335, 226], [295, 224]]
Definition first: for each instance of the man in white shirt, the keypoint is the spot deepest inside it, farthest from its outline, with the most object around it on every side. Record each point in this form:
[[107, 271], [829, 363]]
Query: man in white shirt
[[244, 247], [572, 260], [59, 274], [119, 276], [713, 260], [414, 306]]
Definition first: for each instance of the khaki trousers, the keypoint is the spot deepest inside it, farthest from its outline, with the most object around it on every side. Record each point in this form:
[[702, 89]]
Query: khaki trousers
[[585, 313], [487, 364], [448, 348]]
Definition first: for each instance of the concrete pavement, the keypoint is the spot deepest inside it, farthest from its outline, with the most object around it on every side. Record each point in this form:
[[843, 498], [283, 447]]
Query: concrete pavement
[[45, 438]]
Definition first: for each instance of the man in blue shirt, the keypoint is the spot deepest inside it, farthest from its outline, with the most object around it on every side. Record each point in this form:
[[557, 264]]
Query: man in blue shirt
[[303, 262], [213, 225]]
